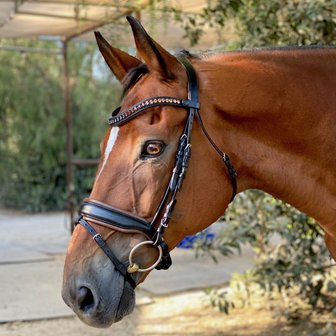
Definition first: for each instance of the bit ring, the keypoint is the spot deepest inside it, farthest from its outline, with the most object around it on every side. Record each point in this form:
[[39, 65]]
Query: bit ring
[[133, 267]]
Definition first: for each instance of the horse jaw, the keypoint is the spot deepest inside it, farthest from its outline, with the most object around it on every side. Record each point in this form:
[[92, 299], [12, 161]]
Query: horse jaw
[[97, 293]]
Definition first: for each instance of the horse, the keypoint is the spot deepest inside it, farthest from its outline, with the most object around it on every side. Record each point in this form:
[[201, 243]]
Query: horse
[[191, 132]]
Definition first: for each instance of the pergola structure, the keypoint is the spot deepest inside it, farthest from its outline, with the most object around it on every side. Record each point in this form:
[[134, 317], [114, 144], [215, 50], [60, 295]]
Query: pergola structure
[[66, 20]]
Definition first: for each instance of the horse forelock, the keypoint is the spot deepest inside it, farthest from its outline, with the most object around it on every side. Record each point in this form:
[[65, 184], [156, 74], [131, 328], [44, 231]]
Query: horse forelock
[[133, 76]]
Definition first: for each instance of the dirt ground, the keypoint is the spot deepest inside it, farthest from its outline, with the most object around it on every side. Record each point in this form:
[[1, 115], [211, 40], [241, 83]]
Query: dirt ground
[[183, 314]]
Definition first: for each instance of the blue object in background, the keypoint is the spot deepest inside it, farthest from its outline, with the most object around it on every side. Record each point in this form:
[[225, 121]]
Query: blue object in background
[[189, 241]]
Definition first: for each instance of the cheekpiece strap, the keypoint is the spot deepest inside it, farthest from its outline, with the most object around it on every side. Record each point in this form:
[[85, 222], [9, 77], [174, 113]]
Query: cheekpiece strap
[[119, 266]]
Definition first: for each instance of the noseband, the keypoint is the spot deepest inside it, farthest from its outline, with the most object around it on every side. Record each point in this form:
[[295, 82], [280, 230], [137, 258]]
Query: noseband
[[116, 219]]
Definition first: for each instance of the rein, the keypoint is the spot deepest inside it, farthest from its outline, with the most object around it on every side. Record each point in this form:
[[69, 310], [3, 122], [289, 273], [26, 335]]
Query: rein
[[117, 219]]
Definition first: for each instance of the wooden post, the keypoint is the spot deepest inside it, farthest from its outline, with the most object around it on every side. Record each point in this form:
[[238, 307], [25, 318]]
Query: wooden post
[[69, 139]]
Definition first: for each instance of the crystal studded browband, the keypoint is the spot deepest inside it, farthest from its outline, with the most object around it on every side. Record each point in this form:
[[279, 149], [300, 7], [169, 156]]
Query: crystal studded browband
[[118, 118]]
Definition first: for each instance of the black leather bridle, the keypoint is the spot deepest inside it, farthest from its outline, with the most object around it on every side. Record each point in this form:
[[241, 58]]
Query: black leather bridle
[[105, 215]]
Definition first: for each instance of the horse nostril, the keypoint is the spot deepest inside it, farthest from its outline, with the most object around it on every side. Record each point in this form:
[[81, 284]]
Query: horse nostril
[[85, 299]]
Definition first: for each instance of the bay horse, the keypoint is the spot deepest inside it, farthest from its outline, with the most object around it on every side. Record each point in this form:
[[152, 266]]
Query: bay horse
[[262, 119]]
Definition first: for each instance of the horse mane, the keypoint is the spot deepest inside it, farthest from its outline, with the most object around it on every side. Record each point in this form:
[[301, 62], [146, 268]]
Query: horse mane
[[134, 74], [290, 48], [285, 48], [186, 53]]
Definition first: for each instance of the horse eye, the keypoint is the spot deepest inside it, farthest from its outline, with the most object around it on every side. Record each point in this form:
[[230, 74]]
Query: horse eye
[[152, 149]]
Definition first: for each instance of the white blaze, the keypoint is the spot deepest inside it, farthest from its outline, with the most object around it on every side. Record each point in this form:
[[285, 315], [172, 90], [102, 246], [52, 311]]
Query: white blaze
[[109, 146]]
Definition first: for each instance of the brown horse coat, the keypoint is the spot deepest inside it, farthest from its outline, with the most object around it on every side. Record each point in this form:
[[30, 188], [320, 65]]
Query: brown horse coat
[[272, 111]]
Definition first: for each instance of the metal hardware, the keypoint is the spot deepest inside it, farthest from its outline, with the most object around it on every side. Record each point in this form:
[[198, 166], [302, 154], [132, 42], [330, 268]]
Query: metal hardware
[[133, 267]]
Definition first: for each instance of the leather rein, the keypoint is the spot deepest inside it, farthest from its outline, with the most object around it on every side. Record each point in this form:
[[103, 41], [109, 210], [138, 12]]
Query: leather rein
[[117, 219]]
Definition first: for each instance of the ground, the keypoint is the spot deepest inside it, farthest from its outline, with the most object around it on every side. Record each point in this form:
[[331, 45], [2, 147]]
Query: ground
[[32, 253], [182, 315]]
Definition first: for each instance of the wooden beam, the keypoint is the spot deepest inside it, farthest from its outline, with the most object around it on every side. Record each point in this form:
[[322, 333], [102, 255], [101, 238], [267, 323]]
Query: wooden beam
[[56, 16], [32, 50], [69, 137], [85, 162], [108, 19]]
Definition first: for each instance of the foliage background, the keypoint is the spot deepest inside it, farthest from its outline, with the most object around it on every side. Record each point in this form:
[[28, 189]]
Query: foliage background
[[264, 23], [32, 132]]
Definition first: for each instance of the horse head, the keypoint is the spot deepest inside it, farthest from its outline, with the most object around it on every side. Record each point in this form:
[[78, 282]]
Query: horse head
[[144, 156]]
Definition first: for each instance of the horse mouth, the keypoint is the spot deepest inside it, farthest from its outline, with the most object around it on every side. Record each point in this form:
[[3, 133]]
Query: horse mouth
[[126, 303], [109, 312]]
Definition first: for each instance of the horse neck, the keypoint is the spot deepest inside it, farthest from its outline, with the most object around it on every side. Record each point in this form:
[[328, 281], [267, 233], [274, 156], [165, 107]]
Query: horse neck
[[274, 113]]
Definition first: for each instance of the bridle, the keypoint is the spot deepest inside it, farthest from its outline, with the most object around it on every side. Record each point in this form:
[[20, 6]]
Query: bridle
[[119, 220]]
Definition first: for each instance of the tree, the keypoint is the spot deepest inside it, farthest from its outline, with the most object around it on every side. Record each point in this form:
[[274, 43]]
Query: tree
[[290, 254], [266, 22], [32, 133]]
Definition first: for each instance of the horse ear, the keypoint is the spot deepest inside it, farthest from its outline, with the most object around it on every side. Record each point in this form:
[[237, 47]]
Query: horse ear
[[156, 57], [117, 60]]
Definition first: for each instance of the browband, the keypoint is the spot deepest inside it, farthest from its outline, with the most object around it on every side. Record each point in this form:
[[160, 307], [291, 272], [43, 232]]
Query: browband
[[118, 119]]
